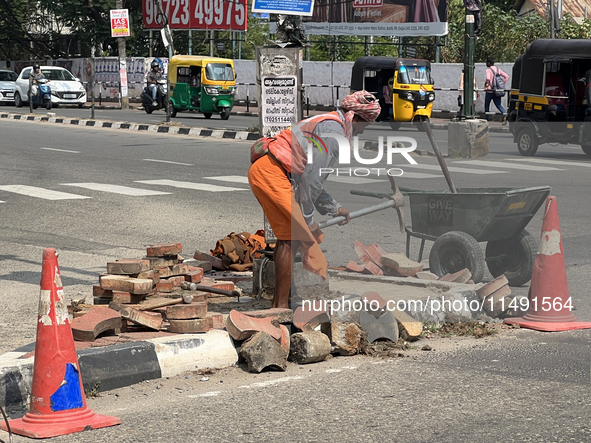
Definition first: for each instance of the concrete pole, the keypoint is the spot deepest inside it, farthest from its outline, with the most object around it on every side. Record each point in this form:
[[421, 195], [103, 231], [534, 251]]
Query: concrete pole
[[468, 108], [437, 49], [211, 37], [122, 63], [190, 42], [150, 47], [92, 79]]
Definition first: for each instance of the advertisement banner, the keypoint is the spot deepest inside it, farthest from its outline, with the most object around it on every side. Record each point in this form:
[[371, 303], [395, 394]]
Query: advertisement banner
[[289, 7], [377, 17], [197, 14], [120, 23]]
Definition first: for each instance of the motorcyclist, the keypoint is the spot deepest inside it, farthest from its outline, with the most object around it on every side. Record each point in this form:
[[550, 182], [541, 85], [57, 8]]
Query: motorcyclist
[[35, 75], [153, 76]]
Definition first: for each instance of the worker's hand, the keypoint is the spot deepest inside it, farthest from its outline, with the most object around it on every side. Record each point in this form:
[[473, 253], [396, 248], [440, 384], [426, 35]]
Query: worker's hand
[[343, 212], [316, 232]]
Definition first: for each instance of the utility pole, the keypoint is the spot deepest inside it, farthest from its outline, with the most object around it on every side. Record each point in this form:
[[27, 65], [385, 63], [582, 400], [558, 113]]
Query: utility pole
[[468, 108], [122, 65]]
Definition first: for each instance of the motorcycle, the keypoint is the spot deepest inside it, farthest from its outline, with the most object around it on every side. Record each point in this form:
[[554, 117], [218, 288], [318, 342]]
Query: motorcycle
[[42, 96], [147, 101]]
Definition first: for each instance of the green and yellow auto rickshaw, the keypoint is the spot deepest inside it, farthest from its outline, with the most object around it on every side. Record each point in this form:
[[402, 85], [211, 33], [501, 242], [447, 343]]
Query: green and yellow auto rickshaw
[[203, 84], [404, 87]]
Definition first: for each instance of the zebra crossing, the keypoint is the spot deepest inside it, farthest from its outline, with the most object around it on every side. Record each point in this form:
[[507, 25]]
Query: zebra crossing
[[237, 183]]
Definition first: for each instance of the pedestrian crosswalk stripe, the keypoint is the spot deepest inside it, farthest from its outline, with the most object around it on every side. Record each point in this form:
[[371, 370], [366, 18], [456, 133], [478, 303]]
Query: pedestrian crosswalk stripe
[[507, 165], [47, 194], [61, 150], [2, 201], [116, 189], [167, 161], [230, 178], [454, 169], [190, 185], [552, 162]]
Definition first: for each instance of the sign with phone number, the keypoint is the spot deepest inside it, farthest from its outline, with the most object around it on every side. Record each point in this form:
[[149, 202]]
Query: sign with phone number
[[197, 14]]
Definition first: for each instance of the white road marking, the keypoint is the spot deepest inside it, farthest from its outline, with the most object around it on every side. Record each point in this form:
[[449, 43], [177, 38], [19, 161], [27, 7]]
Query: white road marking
[[264, 384], [2, 201], [46, 194], [552, 162], [61, 150], [230, 178], [206, 394], [349, 367], [116, 189], [191, 185], [167, 161], [507, 165], [454, 169], [331, 371]]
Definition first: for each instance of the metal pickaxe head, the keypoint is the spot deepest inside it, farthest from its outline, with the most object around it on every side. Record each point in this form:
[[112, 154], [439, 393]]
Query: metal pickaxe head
[[398, 199]]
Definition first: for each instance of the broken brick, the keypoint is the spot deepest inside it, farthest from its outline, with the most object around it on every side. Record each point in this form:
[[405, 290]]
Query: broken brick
[[215, 261], [97, 291], [190, 326], [126, 297], [203, 264], [95, 322], [498, 302], [163, 286], [164, 272], [125, 284], [285, 340], [216, 320], [159, 302], [195, 275], [128, 266], [409, 328], [175, 281], [220, 284], [355, 267], [262, 351], [372, 268], [152, 320], [159, 262], [492, 286], [179, 269], [151, 274], [184, 311], [426, 275], [241, 327], [282, 315], [164, 249], [346, 338], [401, 264], [361, 251], [383, 327], [457, 277], [375, 253], [308, 319]]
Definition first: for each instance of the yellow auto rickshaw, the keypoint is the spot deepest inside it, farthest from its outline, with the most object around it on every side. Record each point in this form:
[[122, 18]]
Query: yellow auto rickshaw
[[203, 84], [404, 87]]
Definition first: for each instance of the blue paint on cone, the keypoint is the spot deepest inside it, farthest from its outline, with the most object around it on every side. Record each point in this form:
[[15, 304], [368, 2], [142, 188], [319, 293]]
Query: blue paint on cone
[[68, 395]]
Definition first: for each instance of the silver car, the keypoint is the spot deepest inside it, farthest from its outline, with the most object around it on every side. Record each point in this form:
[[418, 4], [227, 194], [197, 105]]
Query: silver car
[[7, 85]]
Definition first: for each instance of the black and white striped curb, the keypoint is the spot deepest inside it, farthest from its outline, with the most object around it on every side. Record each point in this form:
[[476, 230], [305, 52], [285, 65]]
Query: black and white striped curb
[[162, 129], [125, 364]]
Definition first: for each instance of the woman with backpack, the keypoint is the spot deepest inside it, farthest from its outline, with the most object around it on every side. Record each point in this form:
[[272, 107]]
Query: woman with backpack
[[494, 88]]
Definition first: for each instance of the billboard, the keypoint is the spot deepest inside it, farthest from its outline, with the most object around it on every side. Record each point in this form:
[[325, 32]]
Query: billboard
[[221, 15], [378, 17], [289, 7]]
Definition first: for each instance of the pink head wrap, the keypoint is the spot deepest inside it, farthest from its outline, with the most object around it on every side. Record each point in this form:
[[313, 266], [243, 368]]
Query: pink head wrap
[[362, 103]]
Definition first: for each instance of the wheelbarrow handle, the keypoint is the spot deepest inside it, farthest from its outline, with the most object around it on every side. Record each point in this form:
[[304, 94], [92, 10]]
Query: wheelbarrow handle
[[370, 194], [362, 212]]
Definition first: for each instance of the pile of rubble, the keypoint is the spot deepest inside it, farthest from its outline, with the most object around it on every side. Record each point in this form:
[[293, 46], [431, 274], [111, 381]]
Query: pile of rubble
[[158, 292]]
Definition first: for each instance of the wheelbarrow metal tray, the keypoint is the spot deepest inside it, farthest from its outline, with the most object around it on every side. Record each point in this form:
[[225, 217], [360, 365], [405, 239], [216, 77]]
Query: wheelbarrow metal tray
[[485, 213]]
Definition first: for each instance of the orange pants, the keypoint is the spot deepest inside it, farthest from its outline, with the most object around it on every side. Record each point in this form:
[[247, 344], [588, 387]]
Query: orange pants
[[273, 190]]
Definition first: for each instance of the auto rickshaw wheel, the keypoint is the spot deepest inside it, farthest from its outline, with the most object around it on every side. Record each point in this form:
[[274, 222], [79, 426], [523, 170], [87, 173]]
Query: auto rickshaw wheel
[[454, 251], [586, 149], [173, 112], [527, 141], [514, 257], [225, 113], [207, 114]]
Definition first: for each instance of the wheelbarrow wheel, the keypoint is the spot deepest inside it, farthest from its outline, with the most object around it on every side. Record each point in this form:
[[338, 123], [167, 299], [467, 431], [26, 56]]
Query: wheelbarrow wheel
[[516, 257], [454, 251]]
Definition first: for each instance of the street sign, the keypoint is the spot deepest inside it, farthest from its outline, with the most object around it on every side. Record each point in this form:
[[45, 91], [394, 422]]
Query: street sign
[[221, 46], [289, 7], [120, 23]]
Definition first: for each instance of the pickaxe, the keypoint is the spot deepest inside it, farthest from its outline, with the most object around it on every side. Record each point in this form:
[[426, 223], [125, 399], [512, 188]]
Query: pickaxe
[[396, 201]]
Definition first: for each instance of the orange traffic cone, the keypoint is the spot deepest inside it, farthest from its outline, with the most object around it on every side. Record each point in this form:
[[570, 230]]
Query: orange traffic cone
[[58, 403], [550, 304]]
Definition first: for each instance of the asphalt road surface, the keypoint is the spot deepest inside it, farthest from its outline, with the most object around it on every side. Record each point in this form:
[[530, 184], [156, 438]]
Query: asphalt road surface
[[100, 194]]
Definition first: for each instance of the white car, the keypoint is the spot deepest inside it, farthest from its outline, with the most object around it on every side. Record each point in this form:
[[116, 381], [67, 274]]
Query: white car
[[7, 85], [65, 88]]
